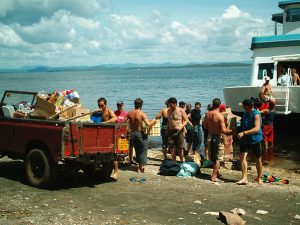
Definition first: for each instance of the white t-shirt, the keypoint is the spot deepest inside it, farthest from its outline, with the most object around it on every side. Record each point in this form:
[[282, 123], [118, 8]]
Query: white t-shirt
[[283, 80]]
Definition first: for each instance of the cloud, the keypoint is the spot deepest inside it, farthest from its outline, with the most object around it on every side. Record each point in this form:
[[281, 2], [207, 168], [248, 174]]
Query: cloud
[[61, 27], [78, 33], [234, 12], [9, 38], [32, 11]]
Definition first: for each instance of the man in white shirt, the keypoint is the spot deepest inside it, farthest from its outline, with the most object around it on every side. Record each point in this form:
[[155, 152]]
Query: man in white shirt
[[283, 78]]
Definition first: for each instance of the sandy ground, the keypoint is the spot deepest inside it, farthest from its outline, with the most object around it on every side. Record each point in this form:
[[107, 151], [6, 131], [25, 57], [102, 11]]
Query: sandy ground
[[154, 200]]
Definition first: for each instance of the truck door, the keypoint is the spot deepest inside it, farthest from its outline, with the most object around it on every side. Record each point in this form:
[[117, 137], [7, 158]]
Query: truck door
[[7, 135]]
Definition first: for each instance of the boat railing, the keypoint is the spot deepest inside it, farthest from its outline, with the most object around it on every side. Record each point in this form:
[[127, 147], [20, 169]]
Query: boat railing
[[267, 31], [290, 78]]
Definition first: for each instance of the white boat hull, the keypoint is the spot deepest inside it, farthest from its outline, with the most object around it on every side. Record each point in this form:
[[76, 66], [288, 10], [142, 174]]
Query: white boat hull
[[235, 95]]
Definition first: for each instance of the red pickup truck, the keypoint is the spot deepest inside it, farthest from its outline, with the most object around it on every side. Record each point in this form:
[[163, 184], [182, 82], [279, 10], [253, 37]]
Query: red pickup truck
[[47, 145]]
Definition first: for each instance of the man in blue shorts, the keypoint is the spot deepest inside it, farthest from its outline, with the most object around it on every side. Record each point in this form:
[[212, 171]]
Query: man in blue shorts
[[250, 140]]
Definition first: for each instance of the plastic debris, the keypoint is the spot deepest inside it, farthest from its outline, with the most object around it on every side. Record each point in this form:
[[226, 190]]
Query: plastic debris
[[212, 213], [197, 202], [263, 212]]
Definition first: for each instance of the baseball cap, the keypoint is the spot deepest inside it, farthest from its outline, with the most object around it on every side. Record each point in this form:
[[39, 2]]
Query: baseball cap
[[120, 103], [267, 78]]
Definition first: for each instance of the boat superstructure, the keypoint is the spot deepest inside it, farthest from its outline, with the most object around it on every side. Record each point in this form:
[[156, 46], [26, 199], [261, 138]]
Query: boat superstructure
[[270, 55]]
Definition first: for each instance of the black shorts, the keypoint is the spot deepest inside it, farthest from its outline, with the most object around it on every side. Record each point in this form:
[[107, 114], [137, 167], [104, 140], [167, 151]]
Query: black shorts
[[189, 136], [254, 148], [164, 137]]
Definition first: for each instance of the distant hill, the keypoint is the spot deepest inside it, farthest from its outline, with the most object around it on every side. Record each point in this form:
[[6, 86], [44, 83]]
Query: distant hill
[[41, 68]]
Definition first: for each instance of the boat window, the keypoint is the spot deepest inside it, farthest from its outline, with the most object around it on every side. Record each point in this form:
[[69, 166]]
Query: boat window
[[293, 15], [265, 68]]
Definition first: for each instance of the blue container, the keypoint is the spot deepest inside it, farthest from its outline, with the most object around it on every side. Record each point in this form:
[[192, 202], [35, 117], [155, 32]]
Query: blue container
[[96, 117]]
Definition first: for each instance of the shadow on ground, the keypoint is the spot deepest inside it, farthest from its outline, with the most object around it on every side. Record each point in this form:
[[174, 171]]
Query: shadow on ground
[[14, 170]]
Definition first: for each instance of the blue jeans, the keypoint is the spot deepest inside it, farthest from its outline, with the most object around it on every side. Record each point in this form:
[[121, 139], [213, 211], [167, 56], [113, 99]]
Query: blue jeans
[[197, 139]]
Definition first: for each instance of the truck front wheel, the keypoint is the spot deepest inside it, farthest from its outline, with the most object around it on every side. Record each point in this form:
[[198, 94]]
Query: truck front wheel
[[39, 168]]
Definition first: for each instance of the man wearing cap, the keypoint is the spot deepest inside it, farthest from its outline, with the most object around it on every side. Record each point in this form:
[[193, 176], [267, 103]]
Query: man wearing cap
[[250, 140], [122, 117], [120, 112], [266, 91]]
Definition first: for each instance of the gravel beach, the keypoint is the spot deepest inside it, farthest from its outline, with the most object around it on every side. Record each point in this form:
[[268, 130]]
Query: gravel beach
[[148, 198]]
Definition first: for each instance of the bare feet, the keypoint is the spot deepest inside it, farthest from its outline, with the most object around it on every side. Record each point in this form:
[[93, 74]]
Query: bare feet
[[115, 176], [215, 179], [141, 169], [258, 180], [242, 182]]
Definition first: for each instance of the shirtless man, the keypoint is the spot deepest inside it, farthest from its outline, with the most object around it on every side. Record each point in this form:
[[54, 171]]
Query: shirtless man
[[108, 116], [266, 91], [215, 125], [138, 137], [177, 120], [164, 128]]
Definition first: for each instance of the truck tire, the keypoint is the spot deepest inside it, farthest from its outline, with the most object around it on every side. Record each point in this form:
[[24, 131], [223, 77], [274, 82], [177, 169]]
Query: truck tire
[[40, 170]]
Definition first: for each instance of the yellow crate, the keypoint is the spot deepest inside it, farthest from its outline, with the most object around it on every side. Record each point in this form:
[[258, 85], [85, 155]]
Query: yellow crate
[[155, 130]]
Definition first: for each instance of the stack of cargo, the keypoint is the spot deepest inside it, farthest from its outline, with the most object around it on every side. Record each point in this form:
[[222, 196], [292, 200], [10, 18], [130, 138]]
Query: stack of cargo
[[62, 105]]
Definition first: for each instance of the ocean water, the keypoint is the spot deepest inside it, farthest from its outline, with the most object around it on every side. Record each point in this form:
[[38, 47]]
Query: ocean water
[[154, 86]]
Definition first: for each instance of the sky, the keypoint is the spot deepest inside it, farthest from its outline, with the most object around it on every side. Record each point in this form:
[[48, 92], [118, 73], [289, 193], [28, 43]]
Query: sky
[[62, 33]]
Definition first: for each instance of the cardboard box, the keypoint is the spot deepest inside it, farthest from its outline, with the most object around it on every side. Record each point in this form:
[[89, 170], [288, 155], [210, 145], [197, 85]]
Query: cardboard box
[[43, 108], [76, 112]]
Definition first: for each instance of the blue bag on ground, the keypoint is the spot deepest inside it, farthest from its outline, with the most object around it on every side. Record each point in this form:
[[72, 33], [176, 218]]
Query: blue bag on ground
[[188, 169], [169, 168]]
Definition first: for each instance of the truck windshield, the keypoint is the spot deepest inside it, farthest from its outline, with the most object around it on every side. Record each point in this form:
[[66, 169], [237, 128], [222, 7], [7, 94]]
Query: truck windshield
[[15, 97]]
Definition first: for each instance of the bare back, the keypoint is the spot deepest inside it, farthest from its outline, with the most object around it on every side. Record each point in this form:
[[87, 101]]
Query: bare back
[[136, 118], [214, 122]]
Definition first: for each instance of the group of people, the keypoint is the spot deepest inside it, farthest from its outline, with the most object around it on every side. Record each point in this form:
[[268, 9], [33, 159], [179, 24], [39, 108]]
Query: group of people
[[179, 125], [175, 129], [175, 122], [284, 79], [136, 119]]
